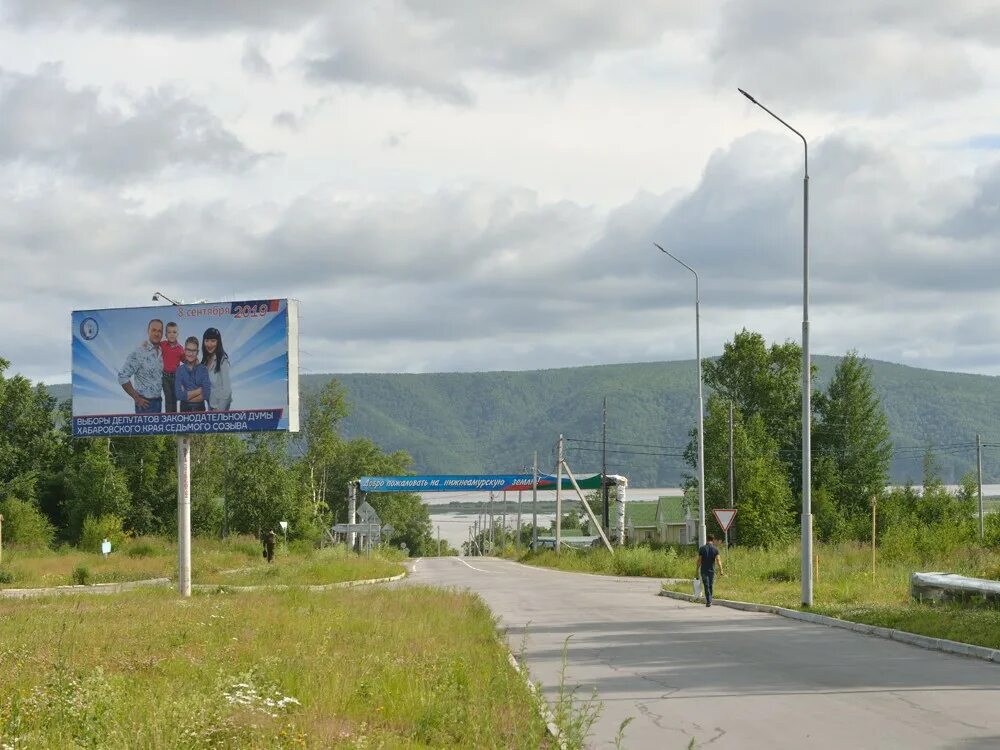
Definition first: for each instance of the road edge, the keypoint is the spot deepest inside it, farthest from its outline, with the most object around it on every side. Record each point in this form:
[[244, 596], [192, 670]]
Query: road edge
[[293, 586], [543, 707], [901, 636], [93, 588]]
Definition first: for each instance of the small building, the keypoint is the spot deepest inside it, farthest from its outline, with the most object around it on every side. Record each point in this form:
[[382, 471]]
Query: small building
[[640, 522], [674, 521], [665, 520]]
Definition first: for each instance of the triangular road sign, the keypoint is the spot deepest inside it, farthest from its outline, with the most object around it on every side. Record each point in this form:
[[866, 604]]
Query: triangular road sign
[[725, 517]]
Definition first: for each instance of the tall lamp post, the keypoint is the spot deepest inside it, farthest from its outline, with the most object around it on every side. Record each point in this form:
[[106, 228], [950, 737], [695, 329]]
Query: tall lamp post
[[701, 408], [807, 535]]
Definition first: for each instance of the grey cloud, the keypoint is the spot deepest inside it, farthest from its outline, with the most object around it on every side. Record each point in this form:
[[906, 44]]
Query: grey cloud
[[476, 278], [286, 119], [47, 122], [874, 241], [383, 45], [182, 17], [858, 54], [254, 60], [979, 218], [429, 46], [394, 139]]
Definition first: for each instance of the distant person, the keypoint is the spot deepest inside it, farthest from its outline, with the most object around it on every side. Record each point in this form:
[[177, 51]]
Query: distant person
[[708, 560], [141, 377], [217, 361], [173, 354], [192, 385], [269, 545]]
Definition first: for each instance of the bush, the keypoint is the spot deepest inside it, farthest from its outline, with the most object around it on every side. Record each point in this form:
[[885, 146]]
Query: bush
[[140, 549], [302, 547], [25, 525], [991, 530], [81, 575], [783, 575], [246, 544], [96, 530], [924, 543], [6, 576]]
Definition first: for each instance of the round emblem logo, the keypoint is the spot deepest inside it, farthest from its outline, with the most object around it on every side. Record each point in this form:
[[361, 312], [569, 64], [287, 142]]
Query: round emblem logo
[[88, 329]]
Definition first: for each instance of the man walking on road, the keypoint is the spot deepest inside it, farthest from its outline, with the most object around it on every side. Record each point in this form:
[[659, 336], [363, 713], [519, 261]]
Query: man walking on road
[[708, 559]]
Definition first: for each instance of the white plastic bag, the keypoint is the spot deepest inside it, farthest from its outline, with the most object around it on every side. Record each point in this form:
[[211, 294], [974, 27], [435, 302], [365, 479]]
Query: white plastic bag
[[696, 585]]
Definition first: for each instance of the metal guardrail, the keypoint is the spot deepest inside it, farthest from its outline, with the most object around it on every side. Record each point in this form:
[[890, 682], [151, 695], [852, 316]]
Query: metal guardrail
[[937, 586]]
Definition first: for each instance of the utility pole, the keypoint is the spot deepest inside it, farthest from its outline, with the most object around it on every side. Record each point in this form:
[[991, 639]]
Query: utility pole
[[503, 523], [874, 503], [559, 465], [979, 472], [517, 539], [439, 541], [732, 490], [534, 504], [604, 469], [225, 488]]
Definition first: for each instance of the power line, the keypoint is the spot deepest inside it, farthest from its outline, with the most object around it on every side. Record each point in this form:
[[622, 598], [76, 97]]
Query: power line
[[628, 445]]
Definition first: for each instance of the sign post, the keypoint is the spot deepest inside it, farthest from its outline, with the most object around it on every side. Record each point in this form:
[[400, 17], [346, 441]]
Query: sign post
[[725, 517], [184, 515], [284, 530]]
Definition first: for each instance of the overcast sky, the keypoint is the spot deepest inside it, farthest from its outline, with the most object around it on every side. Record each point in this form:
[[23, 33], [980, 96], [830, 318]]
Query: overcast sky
[[448, 185]]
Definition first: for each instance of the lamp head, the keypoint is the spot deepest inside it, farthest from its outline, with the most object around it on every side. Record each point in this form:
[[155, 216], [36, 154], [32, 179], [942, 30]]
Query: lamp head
[[747, 95]]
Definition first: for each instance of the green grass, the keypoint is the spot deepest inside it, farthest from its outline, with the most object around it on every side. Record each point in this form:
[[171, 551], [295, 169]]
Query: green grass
[[403, 668], [331, 565], [139, 559], [627, 561], [236, 561]]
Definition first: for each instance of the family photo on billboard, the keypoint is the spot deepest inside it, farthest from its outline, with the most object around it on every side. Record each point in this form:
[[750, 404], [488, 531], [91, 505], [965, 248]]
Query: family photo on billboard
[[190, 376], [216, 359]]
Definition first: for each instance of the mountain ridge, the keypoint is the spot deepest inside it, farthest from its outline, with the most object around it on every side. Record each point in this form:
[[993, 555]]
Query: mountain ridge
[[493, 421]]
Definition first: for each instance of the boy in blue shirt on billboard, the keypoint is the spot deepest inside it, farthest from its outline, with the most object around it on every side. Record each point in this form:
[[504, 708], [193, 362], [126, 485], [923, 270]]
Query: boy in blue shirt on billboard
[[192, 384]]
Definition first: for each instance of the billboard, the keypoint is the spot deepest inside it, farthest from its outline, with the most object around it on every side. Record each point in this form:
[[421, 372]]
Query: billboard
[[186, 369]]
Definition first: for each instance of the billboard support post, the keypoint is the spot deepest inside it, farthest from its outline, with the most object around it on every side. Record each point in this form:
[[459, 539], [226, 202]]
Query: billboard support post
[[184, 515]]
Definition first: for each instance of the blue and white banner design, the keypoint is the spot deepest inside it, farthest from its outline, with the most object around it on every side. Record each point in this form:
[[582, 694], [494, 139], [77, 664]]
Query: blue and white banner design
[[448, 483], [260, 386], [472, 483]]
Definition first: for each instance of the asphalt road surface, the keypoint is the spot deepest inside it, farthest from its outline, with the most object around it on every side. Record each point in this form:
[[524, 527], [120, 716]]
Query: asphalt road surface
[[726, 678]]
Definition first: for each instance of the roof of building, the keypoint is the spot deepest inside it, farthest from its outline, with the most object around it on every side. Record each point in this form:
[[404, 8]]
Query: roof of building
[[670, 509], [641, 513]]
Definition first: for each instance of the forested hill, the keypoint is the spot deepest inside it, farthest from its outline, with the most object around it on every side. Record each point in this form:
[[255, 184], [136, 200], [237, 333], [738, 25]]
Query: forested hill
[[493, 421]]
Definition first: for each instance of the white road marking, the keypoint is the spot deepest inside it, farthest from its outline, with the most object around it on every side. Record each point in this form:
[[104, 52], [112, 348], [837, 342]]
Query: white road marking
[[469, 566]]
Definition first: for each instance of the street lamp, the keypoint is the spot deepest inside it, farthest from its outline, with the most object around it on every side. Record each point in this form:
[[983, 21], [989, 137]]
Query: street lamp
[[158, 295], [807, 535], [701, 408]]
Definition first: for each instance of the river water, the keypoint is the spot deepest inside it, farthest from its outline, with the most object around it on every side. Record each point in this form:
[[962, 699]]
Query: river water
[[454, 527]]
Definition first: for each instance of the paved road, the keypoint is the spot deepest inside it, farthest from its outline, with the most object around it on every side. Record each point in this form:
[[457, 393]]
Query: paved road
[[726, 678]]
